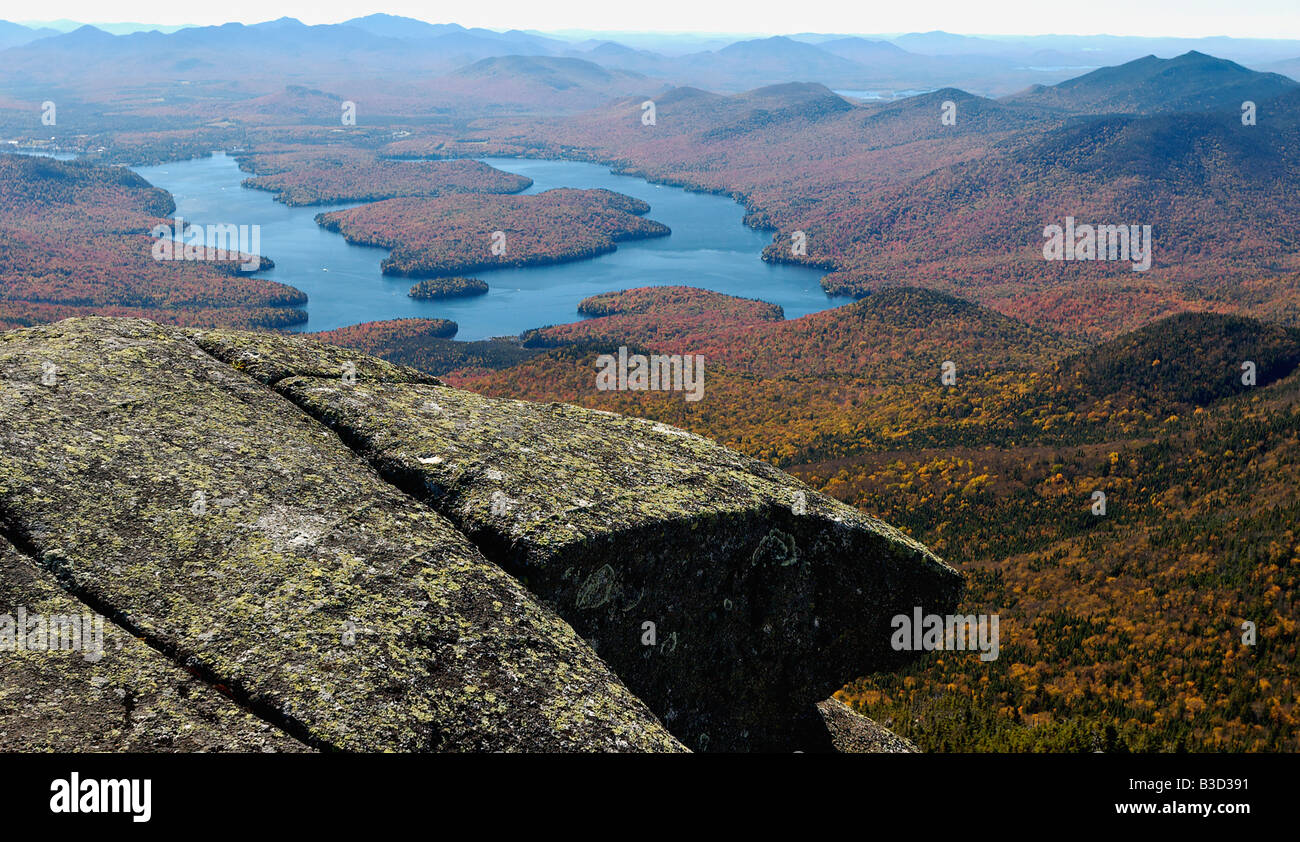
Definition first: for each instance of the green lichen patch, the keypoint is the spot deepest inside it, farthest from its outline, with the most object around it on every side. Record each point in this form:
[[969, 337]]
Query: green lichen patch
[[243, 539], [837, 727], [109, 691], [271, 357]]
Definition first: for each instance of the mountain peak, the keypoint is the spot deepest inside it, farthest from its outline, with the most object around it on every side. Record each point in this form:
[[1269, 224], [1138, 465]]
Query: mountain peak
[[1193, 81]]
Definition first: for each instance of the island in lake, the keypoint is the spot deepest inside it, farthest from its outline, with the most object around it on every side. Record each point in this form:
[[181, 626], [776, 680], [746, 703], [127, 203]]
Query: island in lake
[[437, 289]]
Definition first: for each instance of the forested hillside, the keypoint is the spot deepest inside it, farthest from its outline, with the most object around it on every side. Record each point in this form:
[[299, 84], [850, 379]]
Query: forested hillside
[[1120, 631], [75, 240]]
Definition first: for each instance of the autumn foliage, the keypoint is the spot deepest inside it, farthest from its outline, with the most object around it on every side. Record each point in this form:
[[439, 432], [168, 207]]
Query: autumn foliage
[[315, 174], [450, 234], [74, 241], [1120, 632]]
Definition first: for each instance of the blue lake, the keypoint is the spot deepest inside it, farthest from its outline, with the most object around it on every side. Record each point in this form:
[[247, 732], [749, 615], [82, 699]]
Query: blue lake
[[710, 247]]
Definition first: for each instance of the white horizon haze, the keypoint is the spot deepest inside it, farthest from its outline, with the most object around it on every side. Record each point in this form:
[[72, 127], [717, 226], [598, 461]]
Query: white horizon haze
[[1271, 19]]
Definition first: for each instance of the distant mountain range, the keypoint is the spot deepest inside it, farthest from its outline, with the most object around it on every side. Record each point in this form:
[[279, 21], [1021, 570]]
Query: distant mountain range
[[13, 34], [871, 66]]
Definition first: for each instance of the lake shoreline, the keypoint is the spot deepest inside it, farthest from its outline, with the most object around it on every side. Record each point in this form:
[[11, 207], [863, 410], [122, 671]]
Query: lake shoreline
[[709, 246]]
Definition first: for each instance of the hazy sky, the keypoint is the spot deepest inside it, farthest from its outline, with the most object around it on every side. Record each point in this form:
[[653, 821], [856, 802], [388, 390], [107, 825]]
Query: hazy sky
[[1242, 18]]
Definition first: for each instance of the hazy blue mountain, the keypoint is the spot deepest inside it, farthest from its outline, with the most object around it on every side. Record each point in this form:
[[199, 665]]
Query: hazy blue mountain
[[1190, 82], [15, 34]]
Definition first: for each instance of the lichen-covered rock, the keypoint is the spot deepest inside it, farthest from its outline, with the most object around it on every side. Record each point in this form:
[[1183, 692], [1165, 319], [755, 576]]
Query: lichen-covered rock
[[271, 357], [70, 682], [837, 727], [726, 594], [201, 511]]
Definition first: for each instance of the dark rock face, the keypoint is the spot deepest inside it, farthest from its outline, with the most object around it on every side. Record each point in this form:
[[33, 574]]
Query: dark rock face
[[357, 557], [203, 512]]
